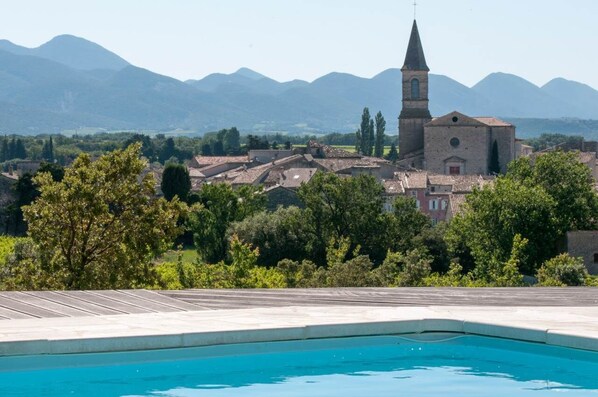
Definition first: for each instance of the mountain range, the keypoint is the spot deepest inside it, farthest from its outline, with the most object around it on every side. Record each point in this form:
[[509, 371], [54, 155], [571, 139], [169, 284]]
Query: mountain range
[[70, 83]]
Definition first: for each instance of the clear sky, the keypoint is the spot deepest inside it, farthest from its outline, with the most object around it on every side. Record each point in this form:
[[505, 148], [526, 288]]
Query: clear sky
[[305, 39]]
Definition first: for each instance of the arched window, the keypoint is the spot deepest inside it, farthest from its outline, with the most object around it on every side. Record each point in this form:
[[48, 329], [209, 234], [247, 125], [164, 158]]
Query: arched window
[[415, 89]]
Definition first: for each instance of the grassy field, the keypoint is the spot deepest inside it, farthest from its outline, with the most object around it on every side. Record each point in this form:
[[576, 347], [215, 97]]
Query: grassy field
[[351, 148], [189, 254]]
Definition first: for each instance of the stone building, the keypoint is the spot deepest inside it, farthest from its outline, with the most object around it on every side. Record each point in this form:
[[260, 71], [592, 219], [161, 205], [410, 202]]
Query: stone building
[[453, 144], [584, 244]]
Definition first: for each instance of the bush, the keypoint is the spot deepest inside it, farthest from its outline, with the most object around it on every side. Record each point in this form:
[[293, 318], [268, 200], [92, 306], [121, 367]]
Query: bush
[[562, 270], [353, 273]]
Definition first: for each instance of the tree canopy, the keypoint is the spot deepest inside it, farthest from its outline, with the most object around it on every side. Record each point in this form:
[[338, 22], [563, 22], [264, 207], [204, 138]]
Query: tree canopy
[[101, 225]]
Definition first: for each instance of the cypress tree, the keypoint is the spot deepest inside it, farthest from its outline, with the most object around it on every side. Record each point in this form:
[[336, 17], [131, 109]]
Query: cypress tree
[[175, 182], [494, 167], [380, 128], [20, 151], [358, 141], [372, 139], [393, 155], [365, 131], [4, 150]]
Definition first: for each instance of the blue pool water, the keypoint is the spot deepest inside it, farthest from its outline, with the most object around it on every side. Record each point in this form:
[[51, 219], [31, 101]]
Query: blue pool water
[[395, 366]]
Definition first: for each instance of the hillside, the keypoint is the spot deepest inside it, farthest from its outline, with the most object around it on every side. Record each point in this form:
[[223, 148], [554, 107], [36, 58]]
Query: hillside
[[70, 82]]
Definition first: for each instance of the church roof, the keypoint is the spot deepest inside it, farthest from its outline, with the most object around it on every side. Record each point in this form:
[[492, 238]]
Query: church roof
[[493, 122], [415, 59]]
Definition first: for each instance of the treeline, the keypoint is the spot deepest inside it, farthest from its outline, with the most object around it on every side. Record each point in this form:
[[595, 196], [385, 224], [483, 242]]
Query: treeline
[[158, 148], [100, 225]]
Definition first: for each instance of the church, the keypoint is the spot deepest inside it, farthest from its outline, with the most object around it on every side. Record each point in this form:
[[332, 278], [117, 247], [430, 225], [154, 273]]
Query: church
[[453, 144]]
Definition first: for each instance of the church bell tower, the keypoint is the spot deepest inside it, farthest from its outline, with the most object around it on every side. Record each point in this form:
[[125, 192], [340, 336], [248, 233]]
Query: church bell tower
[[415, 112]]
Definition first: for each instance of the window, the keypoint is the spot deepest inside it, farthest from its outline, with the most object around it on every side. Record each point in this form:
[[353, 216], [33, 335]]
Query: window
[[454, 170], [432, 189], [454, 142], [417, 204], [415, 89], [595, 258], [443, 204], [413, 193], [433, 205]]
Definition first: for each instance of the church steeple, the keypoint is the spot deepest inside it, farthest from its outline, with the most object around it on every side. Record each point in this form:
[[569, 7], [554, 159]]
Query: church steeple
[[415, 59], [415, 112]]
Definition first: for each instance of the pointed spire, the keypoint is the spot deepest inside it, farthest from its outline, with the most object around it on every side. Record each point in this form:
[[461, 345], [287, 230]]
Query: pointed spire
[[415, 59]]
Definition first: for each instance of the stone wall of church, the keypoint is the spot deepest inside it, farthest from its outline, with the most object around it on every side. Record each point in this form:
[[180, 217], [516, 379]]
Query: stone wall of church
[[473, 147], [505, 139], [411, 136]]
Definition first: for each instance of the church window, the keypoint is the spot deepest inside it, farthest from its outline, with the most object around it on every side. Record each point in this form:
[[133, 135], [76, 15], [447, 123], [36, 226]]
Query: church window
[[455, 119], [454, 170], [455, 142], [415, 89]]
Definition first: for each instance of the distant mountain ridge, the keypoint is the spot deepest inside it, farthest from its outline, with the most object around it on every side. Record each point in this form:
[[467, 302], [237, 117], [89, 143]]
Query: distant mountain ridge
[[70, 83]]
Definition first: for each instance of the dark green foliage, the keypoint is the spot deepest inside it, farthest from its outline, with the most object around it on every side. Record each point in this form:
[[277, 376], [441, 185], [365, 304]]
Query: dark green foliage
[[380, 128], [358, 141], [175, 182], [4, 153], [494, 215], [206, 149], [167, 151], [345, 207], [393, 154], [366, 134], [147, 146], [494, 167], [218, 148], [567, 181], [282, 234], [20, 152], [255, 142], [232, 141], [48, 151], [219, 206]]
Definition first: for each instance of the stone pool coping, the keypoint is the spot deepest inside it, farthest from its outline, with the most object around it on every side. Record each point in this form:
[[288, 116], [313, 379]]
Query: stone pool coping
[[575, 327]]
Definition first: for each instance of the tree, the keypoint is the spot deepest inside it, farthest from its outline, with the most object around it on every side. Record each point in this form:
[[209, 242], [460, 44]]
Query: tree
[[218, 148], [147, 146], [358, 141], [406, 223], [48, 151], [393, 155], [20, 152], [4, 153], [366, 134], [219, 205], [494, 167], [282, 234], [567, 181], [175, 182], [101, 226], [232, 141], [345, 207], [491, 219], [380, 128], [167, 151], [206, 149]]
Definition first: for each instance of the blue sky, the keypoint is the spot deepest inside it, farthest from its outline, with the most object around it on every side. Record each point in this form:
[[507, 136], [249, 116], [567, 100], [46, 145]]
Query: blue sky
[[288, 39]]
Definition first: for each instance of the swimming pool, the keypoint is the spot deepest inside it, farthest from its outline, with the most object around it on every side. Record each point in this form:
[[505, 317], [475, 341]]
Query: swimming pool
[[430, 365]]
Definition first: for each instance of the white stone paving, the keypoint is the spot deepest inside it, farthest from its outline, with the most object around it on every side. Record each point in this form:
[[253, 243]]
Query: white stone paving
[[564, 326]]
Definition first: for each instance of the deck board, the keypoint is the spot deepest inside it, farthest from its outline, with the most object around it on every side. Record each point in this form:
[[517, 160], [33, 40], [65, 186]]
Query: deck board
[[41, 304]]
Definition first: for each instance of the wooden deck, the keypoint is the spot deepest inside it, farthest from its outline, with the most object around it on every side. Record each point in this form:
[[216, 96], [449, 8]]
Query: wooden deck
[[46, 304]]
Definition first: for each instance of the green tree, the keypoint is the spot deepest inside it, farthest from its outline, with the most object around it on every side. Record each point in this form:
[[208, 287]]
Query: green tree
[[175, 182], [567, 181], [393, 155], [232, 141], [345, 207], [167, 151], [282, 234], [366, 134], [219, 206], [562, 270], [101, 226], [491, 219], [4, 153], [494, 167], [380, 128], [48, 151], [405, 224], [358, 141], [20, 151], [147, 146]]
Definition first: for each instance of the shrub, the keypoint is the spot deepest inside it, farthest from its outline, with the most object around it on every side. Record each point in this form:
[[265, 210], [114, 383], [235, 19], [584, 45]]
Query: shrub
[[353, 273], [562, 270]]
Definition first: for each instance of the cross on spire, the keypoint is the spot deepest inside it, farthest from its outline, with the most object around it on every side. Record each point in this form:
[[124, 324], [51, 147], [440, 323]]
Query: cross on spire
[[414, 8]]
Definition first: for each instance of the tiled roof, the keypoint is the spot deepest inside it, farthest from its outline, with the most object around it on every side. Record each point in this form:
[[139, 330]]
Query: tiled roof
[[294, 177], [393, 186], [439, 179], [456, 203], [414, 180], [204, 161], [332, 152], [493, 122]]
